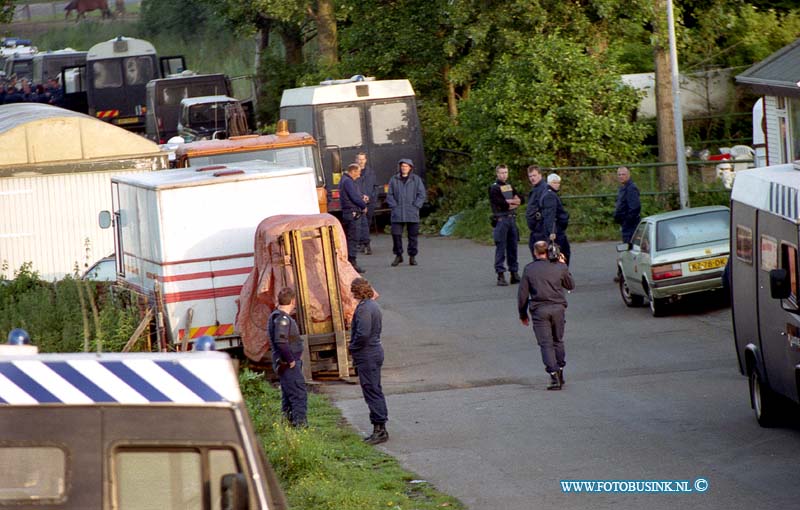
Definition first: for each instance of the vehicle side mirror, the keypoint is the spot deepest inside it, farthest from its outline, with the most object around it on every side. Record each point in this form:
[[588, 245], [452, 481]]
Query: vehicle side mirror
[[624, 247], [779, 284], [234, 492], [104, 219]]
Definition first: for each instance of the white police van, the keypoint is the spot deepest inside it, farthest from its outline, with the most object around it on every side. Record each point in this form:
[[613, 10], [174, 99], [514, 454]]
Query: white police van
[[128, 431]]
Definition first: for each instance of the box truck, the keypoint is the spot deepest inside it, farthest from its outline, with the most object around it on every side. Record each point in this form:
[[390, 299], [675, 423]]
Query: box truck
[[185, 239]]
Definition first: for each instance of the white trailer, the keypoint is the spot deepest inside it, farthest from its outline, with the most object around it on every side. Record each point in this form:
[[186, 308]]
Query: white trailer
[[185, 238], [55, 172]]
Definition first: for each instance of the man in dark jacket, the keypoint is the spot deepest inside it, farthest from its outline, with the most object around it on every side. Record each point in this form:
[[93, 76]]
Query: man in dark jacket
[[366, 184], [555, 219], [533, 215], [406, 196], [628, 207], [541, 292], [353, 208], [287, 352], [504, 200]]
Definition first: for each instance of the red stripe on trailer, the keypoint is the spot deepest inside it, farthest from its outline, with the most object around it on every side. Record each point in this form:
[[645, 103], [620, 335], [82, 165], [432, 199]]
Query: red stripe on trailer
[[189, 261], [205, 274], [191, 295]]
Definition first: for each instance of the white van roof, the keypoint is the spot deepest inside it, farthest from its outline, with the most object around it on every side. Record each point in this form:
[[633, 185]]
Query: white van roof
[[210, 174], [120, 47], [195, 378], [347, 92], [773, 188]]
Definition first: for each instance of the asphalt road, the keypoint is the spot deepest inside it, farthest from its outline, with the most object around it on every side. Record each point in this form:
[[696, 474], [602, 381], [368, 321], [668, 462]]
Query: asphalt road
[[645, 398]]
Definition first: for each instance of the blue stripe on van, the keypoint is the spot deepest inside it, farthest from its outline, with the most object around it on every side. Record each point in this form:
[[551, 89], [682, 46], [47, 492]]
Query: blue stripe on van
[[27, 384], [135, 381], [191, 381], [79, 381]]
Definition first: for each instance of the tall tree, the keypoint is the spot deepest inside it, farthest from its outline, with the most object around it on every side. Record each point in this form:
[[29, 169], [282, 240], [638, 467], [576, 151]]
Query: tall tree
[[667, 175]]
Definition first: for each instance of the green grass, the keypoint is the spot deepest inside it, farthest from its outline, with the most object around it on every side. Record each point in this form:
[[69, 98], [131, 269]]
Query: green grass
[[328, 466]]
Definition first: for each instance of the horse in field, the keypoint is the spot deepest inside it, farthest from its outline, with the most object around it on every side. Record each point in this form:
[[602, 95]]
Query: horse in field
[[84, 6]]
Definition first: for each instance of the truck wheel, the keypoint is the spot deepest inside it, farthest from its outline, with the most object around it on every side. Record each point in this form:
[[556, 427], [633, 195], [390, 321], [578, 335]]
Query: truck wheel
[[762, 400], [628, 298], [657, 306]]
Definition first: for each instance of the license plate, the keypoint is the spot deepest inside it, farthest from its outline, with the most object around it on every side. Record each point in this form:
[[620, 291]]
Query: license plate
[[127, 120], [703, 265]]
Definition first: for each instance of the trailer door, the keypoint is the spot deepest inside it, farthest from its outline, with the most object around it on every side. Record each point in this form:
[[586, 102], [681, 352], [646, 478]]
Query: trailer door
[[779, 320]]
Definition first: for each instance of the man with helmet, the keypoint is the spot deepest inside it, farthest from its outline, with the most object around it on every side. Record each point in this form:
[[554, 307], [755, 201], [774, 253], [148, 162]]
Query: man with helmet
[[287, 351]]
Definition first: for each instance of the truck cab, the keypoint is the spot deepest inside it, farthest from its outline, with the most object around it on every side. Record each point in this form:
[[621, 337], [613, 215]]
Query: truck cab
[[211, 118], [765, 285], [127, 431]]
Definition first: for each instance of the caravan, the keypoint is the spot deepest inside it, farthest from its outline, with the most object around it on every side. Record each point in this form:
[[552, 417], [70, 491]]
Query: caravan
[[765, 283]]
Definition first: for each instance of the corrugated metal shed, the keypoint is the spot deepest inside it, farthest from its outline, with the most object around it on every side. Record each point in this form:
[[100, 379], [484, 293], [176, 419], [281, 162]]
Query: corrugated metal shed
[[778, 74], [37, 134]]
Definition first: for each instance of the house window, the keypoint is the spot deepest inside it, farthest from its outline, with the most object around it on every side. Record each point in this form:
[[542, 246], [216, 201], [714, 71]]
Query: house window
[[794, 128]]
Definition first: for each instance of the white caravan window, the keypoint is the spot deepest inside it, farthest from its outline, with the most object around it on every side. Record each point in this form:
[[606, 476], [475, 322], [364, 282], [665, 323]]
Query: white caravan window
[[32, 473], [390, 123], [342, 126]]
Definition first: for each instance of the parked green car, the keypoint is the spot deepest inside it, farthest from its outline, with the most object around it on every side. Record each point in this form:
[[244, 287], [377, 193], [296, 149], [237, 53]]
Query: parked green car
[[673, 254]]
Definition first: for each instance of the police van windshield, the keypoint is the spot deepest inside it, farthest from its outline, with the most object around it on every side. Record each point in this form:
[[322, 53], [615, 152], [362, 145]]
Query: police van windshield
[[695, 229]]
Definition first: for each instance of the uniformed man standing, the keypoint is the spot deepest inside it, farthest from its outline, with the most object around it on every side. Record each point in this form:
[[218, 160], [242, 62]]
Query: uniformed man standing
[[533, 215], [366, 184], [287, 351], [504, 201], [541, 293], [628, 207], [353, 208], [555, 219]]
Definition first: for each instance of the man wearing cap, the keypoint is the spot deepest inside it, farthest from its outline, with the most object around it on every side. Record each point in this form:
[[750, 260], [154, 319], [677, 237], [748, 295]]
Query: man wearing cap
[[287, 351], [504, 201], [405, 198], [555, 219]]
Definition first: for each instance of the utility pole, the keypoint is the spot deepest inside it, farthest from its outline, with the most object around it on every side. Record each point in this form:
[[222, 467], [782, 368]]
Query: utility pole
[[664, 109], [680, 152]]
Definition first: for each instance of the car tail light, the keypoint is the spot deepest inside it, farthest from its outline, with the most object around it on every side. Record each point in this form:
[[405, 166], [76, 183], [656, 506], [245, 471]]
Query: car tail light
[[335, 194], [666, 271]]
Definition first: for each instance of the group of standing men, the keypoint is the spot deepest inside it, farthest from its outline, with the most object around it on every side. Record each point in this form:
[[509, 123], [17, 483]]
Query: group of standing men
[[541, 296], [358, 195]]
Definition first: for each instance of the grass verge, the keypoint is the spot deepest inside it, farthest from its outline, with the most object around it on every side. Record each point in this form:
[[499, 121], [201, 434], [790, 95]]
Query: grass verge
[[328, 466]]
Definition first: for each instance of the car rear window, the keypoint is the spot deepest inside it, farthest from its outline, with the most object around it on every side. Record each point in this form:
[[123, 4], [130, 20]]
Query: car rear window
[[691, 230]]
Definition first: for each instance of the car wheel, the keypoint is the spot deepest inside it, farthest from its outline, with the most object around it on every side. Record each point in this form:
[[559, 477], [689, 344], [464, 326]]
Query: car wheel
[[763, 401], [657, 306], [628, 298]]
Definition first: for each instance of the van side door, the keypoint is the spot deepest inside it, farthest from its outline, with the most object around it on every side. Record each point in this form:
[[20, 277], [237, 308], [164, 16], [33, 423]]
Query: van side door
[[779, 320]]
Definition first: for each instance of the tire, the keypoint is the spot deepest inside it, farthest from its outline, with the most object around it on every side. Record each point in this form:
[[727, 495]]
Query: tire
[[631, 300], [762, 400], [657, 306]]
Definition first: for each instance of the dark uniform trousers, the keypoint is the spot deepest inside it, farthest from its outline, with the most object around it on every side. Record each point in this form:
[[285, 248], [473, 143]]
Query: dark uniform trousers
[[352, 233], [548, 326], [397, 238], [293, 394], [506, 238], [369, 366]]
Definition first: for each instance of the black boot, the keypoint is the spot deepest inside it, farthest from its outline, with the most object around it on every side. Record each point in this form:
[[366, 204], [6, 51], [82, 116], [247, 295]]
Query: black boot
[[514, 277], [501, 280], [412, 260], [367, 250], [561, 376], [379, 436], [375, 430], [357, 267], [555, 382], [398, 259]]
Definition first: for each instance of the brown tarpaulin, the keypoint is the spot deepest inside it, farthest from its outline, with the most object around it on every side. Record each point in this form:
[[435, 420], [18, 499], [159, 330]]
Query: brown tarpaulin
[[259, 295]]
